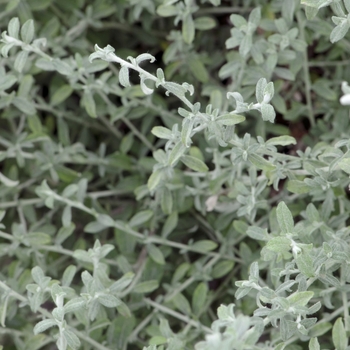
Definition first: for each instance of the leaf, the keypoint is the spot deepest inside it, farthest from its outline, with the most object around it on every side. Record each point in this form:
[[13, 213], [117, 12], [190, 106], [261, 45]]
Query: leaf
[[124, 76], [170, 224], [230, 119], [321, 87], [146, 287], [13, 27], [42, 326], [175, 154], [155, 179], [299, 187], [340, 340], [339, 31], [27, 31], [8, 182], [20, 60], [222, 268], [320, 329], [74, 305], [38, 238], [204, 246], [140, 218], [67, 216], [282, 141], [72, 340], [194, 163], [94, 227], [259, 90], [181, 303], [204, 23], [279, 244], [156, 254], [166, 201], [245, 46], [68, 275], [161, 132], [188, 29], [25, 106], [7, 81], [61, 94], [344, 165], [314, 344], [300, 298], [108, 300], [198, 69], [305, 264], [167, 10], [238, 21], [260, 162], [89, 103], [199, 297], [267, 112], [284, 218]]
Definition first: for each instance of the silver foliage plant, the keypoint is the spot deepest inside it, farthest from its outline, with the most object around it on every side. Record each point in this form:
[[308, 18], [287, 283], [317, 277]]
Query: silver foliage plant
[[297, 279]]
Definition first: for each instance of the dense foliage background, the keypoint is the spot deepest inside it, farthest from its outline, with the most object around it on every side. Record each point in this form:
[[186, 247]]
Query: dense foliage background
[[185, 187]]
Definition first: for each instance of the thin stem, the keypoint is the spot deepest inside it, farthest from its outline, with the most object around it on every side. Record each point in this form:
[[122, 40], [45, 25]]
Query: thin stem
[[138, 134], [307, 79], [177, 315], [223, 10]]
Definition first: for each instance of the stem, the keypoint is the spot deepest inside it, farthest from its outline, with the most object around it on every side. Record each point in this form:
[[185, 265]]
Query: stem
[[177, 315], [307, 79]]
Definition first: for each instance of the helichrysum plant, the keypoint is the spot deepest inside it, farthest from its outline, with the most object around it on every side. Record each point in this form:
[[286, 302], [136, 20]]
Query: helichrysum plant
[[175, 175]]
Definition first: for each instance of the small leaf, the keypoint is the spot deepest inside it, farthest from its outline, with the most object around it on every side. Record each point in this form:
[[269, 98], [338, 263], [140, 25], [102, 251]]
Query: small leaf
[[94, 227], [260, 162], [8, 182], [194, 163], [42, 326], [339, 31], [38, 238], [182, 303], [204, 246], [155, 179], [161, 132], [299, 187], [20, 60], [199, 297], [314, 344], [13, 27], [300, 298], [72, 340], [198, 69], [89, 103], [222, 268], [188, 29], [74, 305], [230, 119], [67, 216], [281, 141], [108, 300], [340, 340], [140, 218], [61, 94], [204, 23], [24, 105], [279, 244], [267, 112], [156, 254], [146, 287], [284, 218], [170, 224], [167, 10], [175, 154], [124, 76], [27, 31]]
